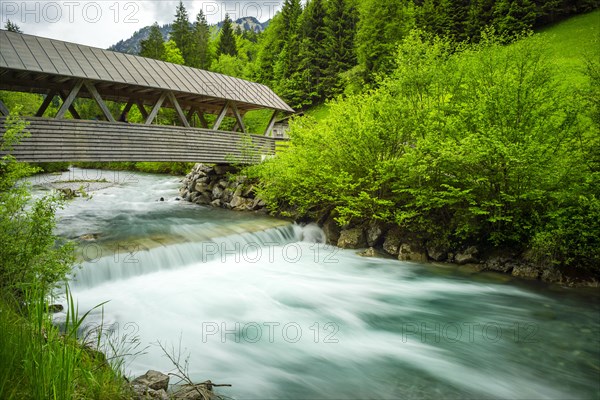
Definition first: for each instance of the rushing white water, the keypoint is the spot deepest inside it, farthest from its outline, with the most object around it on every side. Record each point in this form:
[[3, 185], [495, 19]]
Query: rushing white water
[[263, 305]]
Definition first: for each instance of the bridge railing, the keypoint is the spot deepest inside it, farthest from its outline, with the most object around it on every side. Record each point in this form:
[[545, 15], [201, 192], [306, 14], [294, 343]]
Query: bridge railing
[[54, 140]]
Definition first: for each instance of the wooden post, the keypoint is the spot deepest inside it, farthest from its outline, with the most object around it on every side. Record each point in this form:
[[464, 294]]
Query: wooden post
[[175, 104], [68, 102], [142, 109], [155, 109], [40, 112], [4, 109], [269, 129], [94, 92], [238, 117], [220, 117]]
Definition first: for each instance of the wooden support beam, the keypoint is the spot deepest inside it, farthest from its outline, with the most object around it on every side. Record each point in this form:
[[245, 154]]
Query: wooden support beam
[[92, 89], [269, 130], [142, 109], [127, 109], [40, 112], [68, 102], [238, 117], [190, 116], [203, 121], [156, 107], [3, 108], [177, 107], [221, 117]]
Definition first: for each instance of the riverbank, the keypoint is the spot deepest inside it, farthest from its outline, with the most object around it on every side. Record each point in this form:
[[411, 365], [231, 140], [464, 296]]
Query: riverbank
[[224, 187]]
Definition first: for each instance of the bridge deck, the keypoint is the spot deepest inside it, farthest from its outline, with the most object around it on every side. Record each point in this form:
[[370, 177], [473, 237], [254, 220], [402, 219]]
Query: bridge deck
[[83, 140]]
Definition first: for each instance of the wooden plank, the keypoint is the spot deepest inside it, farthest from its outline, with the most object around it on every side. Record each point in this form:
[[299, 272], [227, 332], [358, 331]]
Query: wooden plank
[[40, 112], [3, 108], [221, 116], [68, 101], [155, 109], [92, 89], [269, 130], [175, 104]]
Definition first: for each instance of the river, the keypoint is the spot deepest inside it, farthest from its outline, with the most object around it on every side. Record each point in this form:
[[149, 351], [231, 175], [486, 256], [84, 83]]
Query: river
[[261, 304]]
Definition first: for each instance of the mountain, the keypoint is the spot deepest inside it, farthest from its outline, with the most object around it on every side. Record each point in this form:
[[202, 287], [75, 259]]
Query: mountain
[[248, 24], [132, 45]]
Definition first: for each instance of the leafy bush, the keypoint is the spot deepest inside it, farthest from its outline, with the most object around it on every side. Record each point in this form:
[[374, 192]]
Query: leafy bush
[[461, 144], [30, 252]]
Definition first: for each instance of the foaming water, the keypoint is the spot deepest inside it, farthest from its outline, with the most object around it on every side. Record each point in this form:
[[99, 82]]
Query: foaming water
[[264, 305]]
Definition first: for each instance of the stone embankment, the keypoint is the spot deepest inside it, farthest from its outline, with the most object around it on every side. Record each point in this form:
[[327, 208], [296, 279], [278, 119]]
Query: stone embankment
[[218, 186], [391, 240]]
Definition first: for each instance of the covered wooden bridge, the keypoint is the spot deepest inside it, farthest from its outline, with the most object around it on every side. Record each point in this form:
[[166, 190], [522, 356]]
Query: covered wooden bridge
[[67, 71]]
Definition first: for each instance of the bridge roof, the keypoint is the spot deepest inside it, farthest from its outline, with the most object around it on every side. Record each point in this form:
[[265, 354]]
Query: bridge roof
[[37, 64]]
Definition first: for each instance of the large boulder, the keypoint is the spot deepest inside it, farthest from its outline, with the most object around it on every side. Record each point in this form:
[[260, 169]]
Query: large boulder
[[526, 271], [331, 230], [467, 256], [153, 379], [352, 239], [551, 274], [374, 234], [391, 244], [411, 252], [499, 264], [194, 392], [437, 252]]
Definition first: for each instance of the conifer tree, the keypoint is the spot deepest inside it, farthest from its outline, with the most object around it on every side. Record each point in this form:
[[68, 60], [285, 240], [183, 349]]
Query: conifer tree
[[154, 46], [12, 27], [181, 31], [340, 28], [382, 25], [200, 56], [313, 55], [227, 43]]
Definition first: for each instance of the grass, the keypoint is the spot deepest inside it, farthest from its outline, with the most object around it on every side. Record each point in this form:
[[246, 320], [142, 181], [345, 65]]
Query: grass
[[572, 41], [38, 361]]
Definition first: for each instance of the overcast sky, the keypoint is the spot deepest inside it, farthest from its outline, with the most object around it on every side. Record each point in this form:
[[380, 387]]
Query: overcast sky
[[102, 23]]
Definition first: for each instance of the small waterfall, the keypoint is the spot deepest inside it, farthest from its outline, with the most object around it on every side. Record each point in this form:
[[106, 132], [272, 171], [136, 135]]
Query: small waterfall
[[131, 259]]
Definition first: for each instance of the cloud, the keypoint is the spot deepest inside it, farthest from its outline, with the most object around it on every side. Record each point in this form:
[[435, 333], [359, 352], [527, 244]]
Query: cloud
[[102, 23]]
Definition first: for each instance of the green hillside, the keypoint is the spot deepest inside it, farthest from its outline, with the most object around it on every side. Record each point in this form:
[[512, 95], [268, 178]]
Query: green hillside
[[572, 42]]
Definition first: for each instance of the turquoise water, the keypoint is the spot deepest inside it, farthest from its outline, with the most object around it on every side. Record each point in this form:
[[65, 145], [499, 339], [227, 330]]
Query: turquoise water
[[259, 303]]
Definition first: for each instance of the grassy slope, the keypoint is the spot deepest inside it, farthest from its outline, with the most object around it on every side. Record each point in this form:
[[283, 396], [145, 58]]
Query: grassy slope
[[571, 42]]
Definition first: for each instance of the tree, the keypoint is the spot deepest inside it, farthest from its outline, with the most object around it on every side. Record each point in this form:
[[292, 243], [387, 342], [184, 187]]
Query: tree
[[181, 32], [200, 56], [226, 43], [172, 53], [340, 27], [512, 17], [154, 46], [12, 27], [382, 26], [311, 71]]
